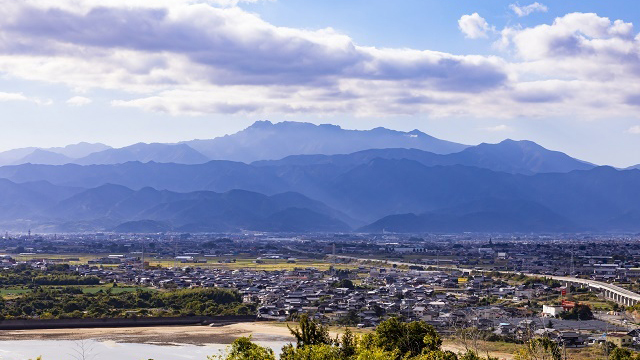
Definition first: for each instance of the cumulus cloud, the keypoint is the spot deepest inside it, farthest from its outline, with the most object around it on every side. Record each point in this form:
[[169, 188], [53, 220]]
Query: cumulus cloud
[[576, 34], [230, 46], [202, 57], [528, 9], [473, 26], [79, 101], [166, 49]]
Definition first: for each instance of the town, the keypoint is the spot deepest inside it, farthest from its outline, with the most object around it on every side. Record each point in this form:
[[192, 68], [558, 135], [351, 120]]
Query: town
[[506, 287]]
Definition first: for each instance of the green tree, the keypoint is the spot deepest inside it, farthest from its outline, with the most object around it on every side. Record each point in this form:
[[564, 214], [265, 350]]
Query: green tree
[[438, 355], [344, 283], [311, 352], [348, 344], [621, 354], [310, 332], [244, 349], [410, 339], [375, 354]]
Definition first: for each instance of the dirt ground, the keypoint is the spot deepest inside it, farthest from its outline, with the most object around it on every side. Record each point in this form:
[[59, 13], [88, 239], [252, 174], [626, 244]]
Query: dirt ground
[[195, 335]]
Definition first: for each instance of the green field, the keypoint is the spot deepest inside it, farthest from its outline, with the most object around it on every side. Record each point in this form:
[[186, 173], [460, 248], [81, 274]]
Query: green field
[[242, 262], [12, 292], [250, 263], [83, 258]]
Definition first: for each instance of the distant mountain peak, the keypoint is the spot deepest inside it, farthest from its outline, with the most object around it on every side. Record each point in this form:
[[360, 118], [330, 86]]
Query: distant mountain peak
[[266, 140], [260, 124]]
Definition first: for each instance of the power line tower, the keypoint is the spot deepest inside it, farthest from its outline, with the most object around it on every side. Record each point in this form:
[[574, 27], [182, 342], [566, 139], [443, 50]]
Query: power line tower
[[572, 264]]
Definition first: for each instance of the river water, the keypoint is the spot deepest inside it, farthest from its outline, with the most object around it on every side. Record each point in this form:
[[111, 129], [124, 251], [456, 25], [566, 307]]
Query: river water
[[111, 350]]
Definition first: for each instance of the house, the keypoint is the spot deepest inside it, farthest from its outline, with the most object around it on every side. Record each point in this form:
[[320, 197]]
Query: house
[[571, 339], [620, 339]]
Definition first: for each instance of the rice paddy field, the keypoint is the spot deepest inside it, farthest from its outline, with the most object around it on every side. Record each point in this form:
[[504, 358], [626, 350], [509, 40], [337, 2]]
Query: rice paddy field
[[222, 262], [254, 263]]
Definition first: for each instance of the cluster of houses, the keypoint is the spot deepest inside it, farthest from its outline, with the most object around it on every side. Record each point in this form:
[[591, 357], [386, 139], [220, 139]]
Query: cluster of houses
[[442, 299]]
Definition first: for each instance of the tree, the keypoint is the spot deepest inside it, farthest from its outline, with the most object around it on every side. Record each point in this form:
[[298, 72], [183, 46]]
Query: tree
[[440, 355], [344, 283], [620, 354], [311, 352], [376, 354], [243, 349], [348, 344], [410, 339], [578, 312], [310, 333], [469, 338], [539, 349]]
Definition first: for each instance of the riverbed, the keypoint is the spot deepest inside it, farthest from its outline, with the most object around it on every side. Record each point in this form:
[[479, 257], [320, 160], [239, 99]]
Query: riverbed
[[109, 350], [136, 343]]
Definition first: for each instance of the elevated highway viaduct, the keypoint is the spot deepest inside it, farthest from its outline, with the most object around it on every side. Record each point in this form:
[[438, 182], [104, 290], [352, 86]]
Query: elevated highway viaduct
[[610, 291]]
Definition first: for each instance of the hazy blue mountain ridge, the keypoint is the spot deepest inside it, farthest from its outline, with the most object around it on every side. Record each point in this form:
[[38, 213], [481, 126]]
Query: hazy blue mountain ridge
[[107, 206]]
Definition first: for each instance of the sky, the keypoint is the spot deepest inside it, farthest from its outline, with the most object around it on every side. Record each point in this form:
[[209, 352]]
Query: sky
[[562, 73]]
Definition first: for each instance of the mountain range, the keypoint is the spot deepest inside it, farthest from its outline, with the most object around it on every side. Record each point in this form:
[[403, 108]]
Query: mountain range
[[118, 208], [336, 181], [261, 141]]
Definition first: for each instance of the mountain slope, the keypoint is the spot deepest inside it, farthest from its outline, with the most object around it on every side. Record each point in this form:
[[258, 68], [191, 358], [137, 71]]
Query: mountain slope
[[216, 176], [599, 199], [486, 215], [265, 140], [163, 153], [49, 156], [39, 156], [79, 150], [521, 157], [149, 210], [517, 157], [25, 201]]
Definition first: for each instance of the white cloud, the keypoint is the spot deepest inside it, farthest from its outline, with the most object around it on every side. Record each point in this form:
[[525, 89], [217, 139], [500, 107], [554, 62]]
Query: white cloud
[[7, 96], [498, 128], [79, 101], [473, 26], [574, 35], [528, 9], [190, 57], [186, 57], [634, 130]]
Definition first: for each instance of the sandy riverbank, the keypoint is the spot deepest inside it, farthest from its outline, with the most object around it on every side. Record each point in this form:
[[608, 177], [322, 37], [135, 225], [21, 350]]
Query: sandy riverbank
[[195, 335]]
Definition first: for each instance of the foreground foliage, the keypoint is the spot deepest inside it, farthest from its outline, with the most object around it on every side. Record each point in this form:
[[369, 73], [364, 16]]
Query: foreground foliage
[[392, 340]]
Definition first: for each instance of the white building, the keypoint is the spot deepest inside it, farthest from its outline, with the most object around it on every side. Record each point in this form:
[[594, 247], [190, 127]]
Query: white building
[[551, 311]]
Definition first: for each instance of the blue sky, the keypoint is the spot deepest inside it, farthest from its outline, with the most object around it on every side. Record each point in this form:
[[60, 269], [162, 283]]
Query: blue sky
[[564, 73]]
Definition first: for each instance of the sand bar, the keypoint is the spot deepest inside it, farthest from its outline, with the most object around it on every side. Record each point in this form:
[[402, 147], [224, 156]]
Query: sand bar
[[195, 335]]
